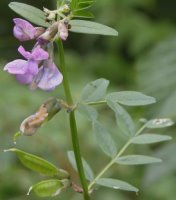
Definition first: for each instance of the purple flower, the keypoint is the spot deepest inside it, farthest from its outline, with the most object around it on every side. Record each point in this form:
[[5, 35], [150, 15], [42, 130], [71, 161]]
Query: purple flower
[[23, 30], [25, 70], [48, 77]]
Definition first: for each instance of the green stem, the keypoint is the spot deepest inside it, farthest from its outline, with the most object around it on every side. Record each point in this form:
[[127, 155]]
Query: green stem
[[115, 158], [73, 126]]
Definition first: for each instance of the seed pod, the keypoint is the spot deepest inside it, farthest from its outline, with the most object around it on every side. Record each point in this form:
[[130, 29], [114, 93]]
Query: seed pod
[[46, 111], [39, 165], [53, 106], [49, 188]]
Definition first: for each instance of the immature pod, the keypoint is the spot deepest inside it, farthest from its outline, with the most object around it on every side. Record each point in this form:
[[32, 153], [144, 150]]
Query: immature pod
[[46, 111], [49, 188], [39, 165]]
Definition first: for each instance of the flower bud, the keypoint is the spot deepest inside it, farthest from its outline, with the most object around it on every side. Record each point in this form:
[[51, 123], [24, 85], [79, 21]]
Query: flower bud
[[50, 15], [39, 31], [63, 30], [64, 9], [49, 34]]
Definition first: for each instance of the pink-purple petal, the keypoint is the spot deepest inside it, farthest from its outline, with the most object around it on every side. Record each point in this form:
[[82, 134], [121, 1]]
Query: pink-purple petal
[[39, 54], [50, 77], [24, 53], [32, 67], [63, 30], [23, 30], [18, 66], [24, 78]]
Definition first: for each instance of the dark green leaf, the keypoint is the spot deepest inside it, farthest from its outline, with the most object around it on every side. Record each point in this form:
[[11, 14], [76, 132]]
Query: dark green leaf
[[148, 138], [123, 119], [137, 160], [30, 13], [95, 90], [89, 112], [39, 165], [88, 27], [88, 171], [104, 139], [73, 4], [83, 14], [49, 188], [131, 98], [159, 123], [116, 184], [82, 5]]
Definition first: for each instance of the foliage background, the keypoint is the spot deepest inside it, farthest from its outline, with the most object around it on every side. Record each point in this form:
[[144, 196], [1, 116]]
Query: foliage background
[[141, 58]]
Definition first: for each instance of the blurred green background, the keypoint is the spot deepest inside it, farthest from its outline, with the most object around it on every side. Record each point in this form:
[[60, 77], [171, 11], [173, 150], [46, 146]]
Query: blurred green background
[[142, 57]]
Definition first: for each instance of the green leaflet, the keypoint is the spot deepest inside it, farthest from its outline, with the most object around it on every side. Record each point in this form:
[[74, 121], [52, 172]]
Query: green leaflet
[[116, 184], [83, 14], [88, 27], [131, 98], [88, 171], [123, 119], [39, 165], [89, 112], [95, 90], [104, 139], [159, 123], [30, 13], [149, 138], [137, 160], [81, 4]]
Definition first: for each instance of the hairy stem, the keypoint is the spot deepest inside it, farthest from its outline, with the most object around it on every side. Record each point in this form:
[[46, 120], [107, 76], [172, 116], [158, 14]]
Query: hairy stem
[[73, 126], [122, 150]]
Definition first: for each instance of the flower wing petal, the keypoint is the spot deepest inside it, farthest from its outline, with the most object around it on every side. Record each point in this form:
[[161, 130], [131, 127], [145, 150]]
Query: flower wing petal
[[32, 67], [24, 78], [18, 66], [50, 77]]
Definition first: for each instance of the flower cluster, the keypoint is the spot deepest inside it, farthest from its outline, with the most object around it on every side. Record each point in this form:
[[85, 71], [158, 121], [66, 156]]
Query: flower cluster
[[37, 69]]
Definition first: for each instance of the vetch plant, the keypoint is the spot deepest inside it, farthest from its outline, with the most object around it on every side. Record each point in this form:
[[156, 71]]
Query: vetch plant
[[38, 70]]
